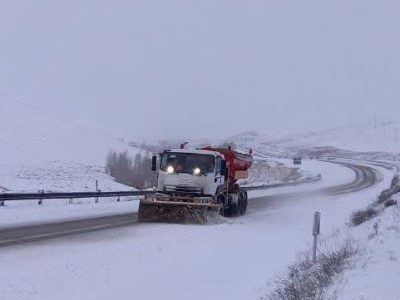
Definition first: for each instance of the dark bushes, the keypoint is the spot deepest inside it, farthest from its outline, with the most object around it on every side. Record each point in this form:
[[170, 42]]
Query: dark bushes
[[133, 172], [308, 280], [363, 215]]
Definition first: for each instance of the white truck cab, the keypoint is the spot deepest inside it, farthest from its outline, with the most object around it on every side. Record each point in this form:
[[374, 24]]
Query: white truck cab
[[190, 171]]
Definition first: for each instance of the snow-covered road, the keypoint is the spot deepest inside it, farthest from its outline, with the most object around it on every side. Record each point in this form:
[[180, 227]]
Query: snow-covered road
[[232, 260], [364, 177]]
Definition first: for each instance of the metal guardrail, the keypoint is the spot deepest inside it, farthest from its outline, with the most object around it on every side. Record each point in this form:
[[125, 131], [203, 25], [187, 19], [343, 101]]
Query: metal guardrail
[[99, 194], [74, 195]]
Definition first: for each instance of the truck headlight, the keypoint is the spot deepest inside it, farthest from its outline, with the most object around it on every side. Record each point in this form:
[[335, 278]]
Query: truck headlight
[[170, 169], [196, 171]]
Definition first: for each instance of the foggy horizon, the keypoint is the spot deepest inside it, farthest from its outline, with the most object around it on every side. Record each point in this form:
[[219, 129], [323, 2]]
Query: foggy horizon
[[203, 69]]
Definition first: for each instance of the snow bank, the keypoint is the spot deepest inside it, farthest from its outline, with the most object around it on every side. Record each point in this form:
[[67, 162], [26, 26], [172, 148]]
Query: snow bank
[[370, 268], [376, 271]]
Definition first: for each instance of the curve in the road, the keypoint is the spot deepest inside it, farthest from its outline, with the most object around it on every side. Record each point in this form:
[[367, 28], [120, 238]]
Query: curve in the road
[[365, 177]]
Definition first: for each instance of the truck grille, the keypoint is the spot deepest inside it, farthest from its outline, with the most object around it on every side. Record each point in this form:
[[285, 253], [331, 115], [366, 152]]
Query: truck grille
[[183, 189]]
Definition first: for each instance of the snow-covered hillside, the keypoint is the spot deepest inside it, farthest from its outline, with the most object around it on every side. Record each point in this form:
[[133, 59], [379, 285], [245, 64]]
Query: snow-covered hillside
[[372, 136], [39, 150]]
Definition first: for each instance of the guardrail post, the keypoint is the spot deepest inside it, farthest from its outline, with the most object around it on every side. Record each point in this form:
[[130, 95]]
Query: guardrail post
[[118, 198], [97, 190], [2, 203], [40, 201], [70, 201]]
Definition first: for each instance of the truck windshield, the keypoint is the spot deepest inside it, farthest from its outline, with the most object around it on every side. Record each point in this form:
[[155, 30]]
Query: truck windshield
[[187, 162]]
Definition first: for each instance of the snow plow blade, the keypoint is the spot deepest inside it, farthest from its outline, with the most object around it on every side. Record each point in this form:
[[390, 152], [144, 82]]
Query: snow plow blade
[[180, 210]]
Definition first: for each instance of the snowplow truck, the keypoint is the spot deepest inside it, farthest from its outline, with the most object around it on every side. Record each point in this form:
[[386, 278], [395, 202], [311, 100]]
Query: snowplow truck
[[196, 184]]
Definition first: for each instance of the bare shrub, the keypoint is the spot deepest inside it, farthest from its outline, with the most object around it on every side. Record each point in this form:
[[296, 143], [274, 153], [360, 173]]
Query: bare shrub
[[132, 172], [363, 215], [394, 189], [384, 200], [308, 280], [395, 180], [390, 202]]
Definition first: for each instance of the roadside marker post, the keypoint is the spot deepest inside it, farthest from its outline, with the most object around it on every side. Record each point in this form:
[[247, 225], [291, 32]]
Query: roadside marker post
[[316, 229]]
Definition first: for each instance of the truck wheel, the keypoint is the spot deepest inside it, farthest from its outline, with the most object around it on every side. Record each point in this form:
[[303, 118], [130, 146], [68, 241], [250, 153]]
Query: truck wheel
[[243, 202], [221, 200], [244, 208], [234, 209]]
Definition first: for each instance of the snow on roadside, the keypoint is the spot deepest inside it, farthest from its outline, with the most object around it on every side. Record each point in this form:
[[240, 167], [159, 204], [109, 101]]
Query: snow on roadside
[[272, 172], [29, 212], [370, 272], [376, 271]]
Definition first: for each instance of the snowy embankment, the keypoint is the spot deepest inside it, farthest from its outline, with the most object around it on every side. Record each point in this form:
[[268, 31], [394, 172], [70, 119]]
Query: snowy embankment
[[375, 272], [357, 261], [272, 172]]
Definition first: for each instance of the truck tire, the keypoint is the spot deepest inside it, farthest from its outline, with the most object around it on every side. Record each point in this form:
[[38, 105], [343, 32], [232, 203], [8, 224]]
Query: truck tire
[[235, 209], [232, 210], [243, 202]]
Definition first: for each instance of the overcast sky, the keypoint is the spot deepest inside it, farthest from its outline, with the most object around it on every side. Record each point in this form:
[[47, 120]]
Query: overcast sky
[[203, 68]]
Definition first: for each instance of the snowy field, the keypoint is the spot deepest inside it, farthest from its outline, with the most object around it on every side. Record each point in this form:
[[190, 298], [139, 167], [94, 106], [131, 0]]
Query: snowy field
[[40, 150], [232, 260]]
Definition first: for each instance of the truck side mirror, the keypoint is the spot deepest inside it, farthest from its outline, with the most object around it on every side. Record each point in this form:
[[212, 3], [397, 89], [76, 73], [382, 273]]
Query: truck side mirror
[[154, 163], [223, 168]]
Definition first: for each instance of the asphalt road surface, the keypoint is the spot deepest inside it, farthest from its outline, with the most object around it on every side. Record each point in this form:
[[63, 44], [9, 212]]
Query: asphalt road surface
[[365, 177]]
